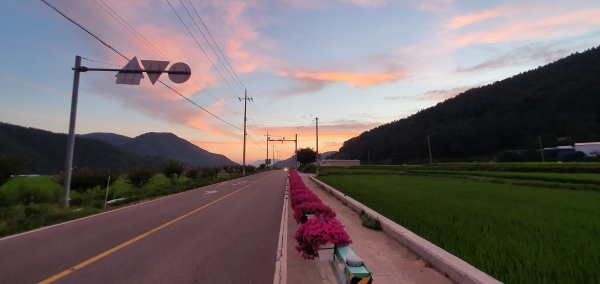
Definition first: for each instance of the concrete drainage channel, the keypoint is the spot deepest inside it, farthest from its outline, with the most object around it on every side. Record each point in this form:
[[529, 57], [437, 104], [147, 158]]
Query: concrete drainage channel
[[453, 267]]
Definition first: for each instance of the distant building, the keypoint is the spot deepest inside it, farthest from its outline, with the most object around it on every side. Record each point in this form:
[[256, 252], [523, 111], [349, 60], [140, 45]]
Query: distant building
[[591, 149], [340, 163], [560, 151]]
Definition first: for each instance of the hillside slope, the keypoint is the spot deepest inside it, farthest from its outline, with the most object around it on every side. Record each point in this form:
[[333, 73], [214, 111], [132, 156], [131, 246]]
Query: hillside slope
[[559, 100], [166, 145], [45, 151]]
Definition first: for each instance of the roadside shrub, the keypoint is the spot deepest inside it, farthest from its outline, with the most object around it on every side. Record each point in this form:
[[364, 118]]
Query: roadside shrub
[[173, 169], [369, 222], [75, 198], [141, 176], [26, 195], [193, 173], [250, 168], [83, 179], [10, 165], [94, 197], [310, 168]]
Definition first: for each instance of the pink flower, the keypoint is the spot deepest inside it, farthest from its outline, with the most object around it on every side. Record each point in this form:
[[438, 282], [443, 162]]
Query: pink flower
[[317, 232]]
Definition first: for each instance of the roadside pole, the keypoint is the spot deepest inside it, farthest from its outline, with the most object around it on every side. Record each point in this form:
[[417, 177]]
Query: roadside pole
[[106, 197], [317, 159], [71, 138], [429, 145], [178, 73]]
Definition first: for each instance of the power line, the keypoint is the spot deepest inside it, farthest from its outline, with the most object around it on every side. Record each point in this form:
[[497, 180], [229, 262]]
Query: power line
[[101, 62], [211, 47], [90, 33], [145, 41], [132, 30], [197, 43], [106, 44], [186, 10], [213, 39], [256, 143]]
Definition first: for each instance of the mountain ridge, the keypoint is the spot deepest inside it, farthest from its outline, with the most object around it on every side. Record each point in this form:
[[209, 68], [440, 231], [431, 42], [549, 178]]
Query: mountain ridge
[[554, 101], [163, 144]]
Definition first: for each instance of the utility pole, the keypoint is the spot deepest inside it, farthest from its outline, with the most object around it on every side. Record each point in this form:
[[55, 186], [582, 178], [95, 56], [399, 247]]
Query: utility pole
[[273, 146], [369, 155], [429, 145], [317, 159], [71, 139], [541, 149], [296, 152], [267, 160], [246, 99]]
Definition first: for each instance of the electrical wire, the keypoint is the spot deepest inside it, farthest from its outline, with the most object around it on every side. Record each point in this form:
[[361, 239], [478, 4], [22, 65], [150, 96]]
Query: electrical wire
[[214, 51], [96, 37], [106, 44], [213, 39], [197, 27], [100, 62], [197, 43], [145, 41]]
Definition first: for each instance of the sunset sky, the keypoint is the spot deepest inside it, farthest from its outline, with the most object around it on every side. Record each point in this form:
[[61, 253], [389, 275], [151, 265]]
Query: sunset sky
[[354, 64]]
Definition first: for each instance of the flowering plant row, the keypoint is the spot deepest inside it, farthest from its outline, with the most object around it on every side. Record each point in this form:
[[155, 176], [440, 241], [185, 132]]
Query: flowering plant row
[[322, 229]]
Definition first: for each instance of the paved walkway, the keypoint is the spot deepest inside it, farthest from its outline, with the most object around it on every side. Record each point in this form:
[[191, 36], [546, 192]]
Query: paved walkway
[[389, 261]]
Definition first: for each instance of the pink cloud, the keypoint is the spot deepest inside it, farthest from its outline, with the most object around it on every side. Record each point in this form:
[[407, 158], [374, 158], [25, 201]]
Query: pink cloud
[[316, 80], [462, 21], [558, 26], [366, 3]]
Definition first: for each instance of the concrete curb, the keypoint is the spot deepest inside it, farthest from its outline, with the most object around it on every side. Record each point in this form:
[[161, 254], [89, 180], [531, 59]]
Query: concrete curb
[[280, 276], [451, 266]]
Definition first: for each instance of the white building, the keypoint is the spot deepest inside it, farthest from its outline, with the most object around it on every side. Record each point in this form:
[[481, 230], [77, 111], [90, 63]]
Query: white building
[[340, 163], [591, 149]]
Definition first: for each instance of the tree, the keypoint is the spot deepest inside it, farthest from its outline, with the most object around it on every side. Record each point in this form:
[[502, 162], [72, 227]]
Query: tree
[[83, 179], [10, 165], [306, 155], [193, 172], [173, 169], [139, 177], [261, 166]]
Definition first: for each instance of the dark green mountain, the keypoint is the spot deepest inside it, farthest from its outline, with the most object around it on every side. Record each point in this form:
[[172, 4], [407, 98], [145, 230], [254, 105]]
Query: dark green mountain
[[45, 151], [559, 102], [166, 145]]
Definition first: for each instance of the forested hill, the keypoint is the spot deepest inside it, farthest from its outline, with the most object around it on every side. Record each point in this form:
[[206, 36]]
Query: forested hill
[[559, 102], [166, 145], [44, 151]]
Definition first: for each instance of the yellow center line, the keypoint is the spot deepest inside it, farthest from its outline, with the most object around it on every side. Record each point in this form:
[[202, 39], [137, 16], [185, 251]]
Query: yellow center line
[[108, 252]]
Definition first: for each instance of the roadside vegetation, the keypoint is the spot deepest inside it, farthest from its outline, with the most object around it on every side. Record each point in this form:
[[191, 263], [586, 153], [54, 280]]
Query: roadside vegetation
[[28, 203], [515, 233]]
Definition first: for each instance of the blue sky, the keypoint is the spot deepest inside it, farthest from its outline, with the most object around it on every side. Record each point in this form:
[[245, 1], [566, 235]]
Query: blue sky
[[355, 64]]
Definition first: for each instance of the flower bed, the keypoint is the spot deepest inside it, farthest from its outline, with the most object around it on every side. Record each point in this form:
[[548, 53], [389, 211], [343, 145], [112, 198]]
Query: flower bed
[[319, 231]]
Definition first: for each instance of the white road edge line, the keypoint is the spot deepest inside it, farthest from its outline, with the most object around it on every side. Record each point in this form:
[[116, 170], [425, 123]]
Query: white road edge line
[[280, 276], [126, 207]]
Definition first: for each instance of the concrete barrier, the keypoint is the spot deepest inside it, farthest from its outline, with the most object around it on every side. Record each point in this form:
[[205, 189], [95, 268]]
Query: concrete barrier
[[449, 265]]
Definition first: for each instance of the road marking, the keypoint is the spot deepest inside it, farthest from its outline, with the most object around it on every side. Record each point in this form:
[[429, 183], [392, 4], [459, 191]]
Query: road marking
[[110, 251], [210, 191], [111, 211]]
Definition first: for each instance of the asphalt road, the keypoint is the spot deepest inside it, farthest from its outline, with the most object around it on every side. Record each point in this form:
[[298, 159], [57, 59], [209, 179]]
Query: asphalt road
[[232, 240]]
